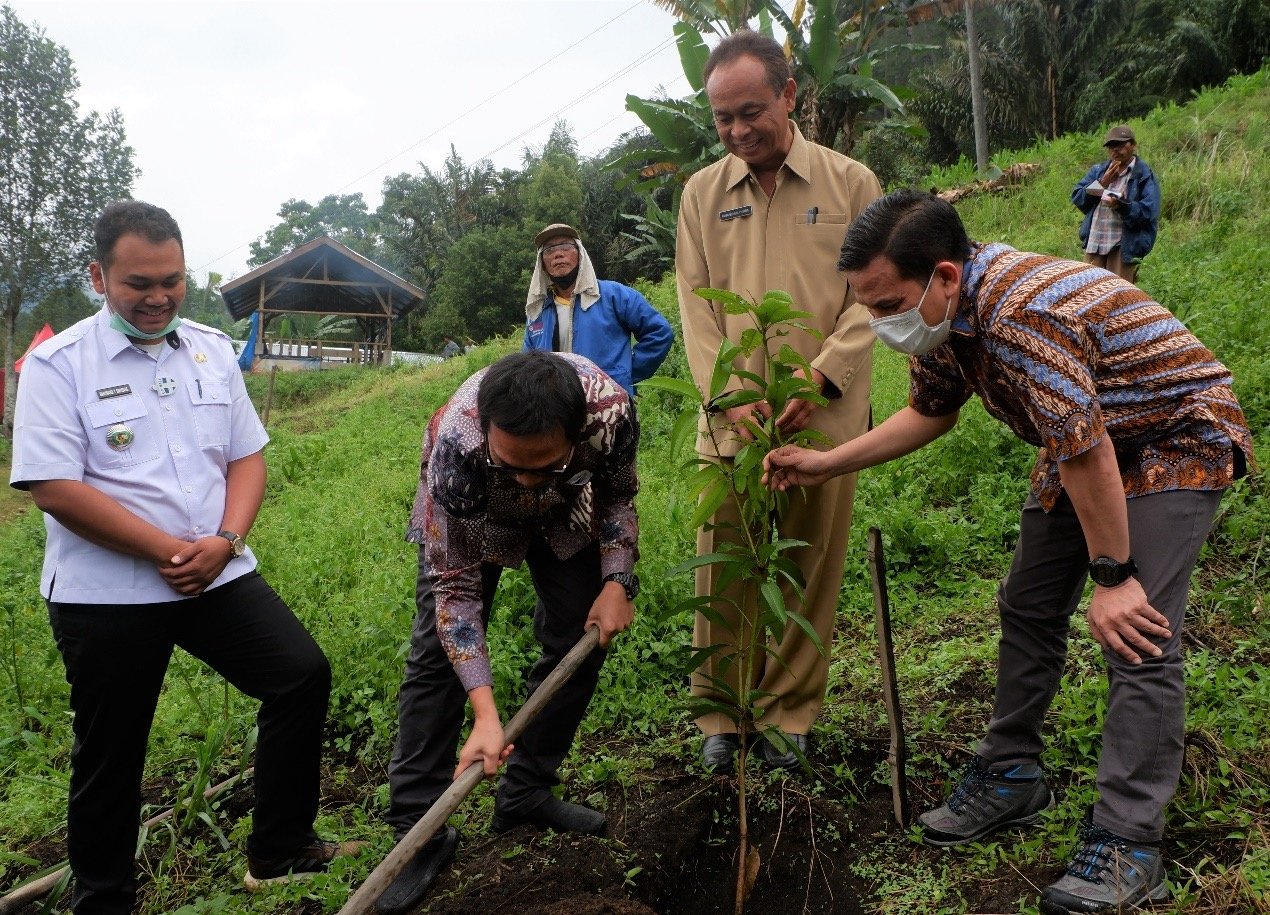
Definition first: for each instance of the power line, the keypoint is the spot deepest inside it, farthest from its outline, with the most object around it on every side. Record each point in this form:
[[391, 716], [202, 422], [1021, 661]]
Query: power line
[[490, 98], [581, 98], [661, 46]]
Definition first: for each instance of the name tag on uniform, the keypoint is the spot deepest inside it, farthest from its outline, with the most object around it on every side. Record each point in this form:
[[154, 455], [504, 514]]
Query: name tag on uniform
[[118, 390], [736, 213]]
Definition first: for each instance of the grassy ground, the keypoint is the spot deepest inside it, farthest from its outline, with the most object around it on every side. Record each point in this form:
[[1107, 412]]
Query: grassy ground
[[343, 466]]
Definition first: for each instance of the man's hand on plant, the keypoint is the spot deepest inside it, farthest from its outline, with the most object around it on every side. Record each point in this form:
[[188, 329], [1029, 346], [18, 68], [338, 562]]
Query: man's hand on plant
[[1121, 619], [486, 744], [797, 413], [757, 413], [794, 466], [611, 613]]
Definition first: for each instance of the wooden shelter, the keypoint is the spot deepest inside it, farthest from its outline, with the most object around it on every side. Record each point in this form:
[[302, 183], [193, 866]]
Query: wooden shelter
[[323, 277]]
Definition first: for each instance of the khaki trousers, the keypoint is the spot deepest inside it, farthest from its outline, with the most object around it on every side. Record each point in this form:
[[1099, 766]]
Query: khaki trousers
[[796, 674], [1113, 262]]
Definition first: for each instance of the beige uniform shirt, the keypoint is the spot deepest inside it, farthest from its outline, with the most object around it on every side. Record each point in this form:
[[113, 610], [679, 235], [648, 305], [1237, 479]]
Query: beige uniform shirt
[[777, 245]]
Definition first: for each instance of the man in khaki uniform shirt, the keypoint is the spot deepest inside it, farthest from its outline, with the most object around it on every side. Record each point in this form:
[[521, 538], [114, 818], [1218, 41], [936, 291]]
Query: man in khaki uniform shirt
[[772, 215]]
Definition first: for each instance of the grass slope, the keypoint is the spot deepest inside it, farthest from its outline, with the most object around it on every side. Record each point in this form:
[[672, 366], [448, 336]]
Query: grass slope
[[343, 467]]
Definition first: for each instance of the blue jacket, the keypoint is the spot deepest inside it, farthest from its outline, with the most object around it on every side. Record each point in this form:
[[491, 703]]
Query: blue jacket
[[602, 333], [1140, 210]]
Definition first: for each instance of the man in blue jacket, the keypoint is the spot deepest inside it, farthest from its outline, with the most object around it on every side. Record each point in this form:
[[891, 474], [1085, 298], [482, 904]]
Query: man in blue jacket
[[569, 311], [1121, 202]]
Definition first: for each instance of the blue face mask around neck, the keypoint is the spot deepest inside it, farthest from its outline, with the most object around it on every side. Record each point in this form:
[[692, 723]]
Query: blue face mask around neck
[[125, 328]]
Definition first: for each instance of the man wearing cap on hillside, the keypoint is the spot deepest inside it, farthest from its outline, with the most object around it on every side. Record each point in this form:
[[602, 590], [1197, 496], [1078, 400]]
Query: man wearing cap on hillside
[[1121, 202], [569, 311]]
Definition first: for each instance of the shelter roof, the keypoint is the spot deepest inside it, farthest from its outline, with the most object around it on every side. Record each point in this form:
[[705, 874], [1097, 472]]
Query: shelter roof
[[321, 277]]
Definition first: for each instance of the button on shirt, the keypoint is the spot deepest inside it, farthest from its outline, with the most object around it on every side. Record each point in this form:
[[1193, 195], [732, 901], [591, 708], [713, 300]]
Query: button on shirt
[[733, 236], [153, 431]]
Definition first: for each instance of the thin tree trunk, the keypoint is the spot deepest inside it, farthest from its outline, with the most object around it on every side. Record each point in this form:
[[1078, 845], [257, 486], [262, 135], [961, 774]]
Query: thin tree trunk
[[1049, 71], [976, 90]]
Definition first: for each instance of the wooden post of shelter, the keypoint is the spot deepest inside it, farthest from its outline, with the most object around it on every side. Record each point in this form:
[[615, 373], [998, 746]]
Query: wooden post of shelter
[[324, 277]]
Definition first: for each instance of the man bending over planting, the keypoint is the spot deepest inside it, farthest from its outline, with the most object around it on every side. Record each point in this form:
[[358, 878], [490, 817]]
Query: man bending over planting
[[532, 460], [1139, 432]]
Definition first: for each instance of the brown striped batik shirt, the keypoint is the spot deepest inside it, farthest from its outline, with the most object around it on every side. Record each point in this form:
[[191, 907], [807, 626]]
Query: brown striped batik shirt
[[1064, 353]]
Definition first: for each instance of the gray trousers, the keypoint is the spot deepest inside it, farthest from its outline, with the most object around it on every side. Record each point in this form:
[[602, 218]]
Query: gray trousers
[[430, 707], [1142, 737]]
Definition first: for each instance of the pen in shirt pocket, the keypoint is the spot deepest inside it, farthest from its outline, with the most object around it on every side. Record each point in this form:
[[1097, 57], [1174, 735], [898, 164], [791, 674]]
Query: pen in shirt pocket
[[811, 215]]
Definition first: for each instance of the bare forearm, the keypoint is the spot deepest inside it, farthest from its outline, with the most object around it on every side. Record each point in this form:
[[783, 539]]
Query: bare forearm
[[1092, 481], [99, 519], [901, 434], [483, 706], [244, 492]]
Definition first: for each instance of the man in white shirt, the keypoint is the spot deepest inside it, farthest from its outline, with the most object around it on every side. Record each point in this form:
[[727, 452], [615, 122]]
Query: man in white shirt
[[136, 438]]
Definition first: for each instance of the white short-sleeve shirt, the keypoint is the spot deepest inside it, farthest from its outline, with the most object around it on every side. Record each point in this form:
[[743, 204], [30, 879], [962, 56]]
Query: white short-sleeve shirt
[[154, 430]]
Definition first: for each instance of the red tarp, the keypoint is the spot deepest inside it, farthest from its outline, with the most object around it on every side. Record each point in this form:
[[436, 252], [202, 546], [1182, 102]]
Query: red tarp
[[43, 335]]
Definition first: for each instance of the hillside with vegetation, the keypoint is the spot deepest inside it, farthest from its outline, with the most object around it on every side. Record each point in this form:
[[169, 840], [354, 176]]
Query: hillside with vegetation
[[343, 466]]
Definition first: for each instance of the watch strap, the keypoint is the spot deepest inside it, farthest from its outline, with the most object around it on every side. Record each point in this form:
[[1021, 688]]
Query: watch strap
[[628, 580]]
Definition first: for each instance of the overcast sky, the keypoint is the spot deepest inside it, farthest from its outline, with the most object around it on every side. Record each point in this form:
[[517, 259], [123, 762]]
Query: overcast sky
[[235, 106]]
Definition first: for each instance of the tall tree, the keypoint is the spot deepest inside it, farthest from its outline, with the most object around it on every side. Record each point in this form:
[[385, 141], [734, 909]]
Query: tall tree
[[343, 217], [719, 16], [553, 192], [59, 309], [58, 169]]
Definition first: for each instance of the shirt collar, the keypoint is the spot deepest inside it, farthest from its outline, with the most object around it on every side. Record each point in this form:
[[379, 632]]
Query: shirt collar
[[797, 160], [112, 341]]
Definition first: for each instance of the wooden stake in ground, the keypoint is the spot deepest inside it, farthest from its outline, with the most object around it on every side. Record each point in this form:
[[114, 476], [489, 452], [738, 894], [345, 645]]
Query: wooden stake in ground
[[388, 869], [273, 374], [897, 757]]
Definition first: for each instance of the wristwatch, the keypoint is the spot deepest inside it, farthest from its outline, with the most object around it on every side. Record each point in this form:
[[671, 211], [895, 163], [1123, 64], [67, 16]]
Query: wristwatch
[[628, 580], [236, 544], [1107, 572]]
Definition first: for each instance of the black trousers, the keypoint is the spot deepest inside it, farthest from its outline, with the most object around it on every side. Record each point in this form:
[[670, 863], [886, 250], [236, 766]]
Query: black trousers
[[116, 657], [431, 705]]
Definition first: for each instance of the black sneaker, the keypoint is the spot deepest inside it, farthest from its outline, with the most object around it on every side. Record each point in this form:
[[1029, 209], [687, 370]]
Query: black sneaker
[[406, 892], [1108, 874], [989, 798], [555, 814], [313, 858]]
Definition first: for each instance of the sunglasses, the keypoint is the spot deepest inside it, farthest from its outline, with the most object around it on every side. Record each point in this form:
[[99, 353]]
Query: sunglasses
[[562, 473], [1115, 144]]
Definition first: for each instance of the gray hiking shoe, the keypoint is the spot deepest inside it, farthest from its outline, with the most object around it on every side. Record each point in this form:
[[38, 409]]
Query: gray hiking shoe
[[1108, 874], [989, 798]]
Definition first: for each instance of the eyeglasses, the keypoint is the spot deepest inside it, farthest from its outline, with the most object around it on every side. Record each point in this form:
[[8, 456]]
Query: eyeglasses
[[561, 246], [561, 473]]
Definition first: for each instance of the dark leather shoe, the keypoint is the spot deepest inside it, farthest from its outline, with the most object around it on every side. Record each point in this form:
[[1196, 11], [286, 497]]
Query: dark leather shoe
[[718, 752], [406, 892], [556, 814], [780, 758]]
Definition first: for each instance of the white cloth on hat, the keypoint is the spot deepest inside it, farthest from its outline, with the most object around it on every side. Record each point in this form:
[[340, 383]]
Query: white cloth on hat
[[586, 286]]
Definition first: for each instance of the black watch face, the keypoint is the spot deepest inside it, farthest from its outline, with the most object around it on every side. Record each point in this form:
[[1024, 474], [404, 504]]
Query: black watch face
[[1107, 572]]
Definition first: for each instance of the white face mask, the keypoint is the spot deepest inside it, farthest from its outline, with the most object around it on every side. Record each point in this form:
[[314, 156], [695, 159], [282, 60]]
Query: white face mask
[[907, 332]]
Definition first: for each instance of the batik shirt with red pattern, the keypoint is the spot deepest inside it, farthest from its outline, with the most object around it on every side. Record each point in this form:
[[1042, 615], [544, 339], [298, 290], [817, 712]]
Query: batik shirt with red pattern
[[1064, 353], [464, 516]]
